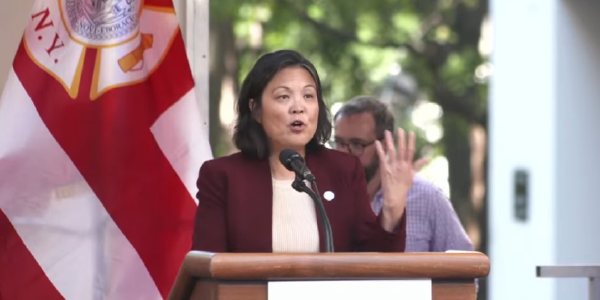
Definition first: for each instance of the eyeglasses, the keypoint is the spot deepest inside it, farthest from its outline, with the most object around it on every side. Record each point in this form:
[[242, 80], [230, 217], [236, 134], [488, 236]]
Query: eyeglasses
[[355, 148]]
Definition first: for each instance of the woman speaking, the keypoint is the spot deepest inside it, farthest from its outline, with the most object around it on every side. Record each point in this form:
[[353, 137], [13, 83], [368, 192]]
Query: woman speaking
[[246, 200]]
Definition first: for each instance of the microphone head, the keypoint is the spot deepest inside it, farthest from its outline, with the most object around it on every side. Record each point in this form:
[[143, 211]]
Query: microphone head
[[286, 156]]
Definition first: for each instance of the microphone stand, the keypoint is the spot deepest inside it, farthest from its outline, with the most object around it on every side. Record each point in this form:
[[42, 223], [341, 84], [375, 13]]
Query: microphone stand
[[300, 186]]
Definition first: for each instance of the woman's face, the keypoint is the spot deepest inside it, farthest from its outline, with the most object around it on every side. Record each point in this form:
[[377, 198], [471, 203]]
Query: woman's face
[[290, 109]]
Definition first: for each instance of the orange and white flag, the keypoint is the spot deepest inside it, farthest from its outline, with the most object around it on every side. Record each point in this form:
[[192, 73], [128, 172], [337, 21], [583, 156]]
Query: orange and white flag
[[101, 140]]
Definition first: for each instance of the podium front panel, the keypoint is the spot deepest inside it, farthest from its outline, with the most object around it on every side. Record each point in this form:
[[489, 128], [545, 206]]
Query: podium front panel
[[231, 290]]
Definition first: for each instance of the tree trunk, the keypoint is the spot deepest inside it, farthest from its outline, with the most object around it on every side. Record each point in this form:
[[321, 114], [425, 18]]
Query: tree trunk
[[458, 153], [479, 220], [223, 68]]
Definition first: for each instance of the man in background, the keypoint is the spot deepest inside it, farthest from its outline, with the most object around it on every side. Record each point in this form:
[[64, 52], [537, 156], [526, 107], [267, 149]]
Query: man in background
[[432, 223]]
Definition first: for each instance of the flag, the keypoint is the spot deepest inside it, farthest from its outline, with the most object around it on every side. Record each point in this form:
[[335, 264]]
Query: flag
[[101, 141]]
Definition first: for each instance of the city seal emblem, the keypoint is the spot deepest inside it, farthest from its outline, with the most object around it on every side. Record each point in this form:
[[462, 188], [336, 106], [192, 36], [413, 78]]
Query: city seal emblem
[[98, 23]]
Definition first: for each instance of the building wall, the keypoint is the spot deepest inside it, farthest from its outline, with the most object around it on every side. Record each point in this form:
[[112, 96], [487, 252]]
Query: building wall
[[578, 141]]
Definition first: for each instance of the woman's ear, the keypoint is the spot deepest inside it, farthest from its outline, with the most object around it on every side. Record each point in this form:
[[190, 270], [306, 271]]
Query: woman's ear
[[255, 113]]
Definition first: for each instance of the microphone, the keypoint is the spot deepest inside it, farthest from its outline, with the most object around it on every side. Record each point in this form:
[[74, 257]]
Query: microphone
[[294, 162]]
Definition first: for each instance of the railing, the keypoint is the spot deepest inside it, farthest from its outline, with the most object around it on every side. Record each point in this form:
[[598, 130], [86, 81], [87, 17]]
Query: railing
[[592, 273]]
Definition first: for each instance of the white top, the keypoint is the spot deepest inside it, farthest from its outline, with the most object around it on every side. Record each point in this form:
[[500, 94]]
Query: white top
[[294, 219]]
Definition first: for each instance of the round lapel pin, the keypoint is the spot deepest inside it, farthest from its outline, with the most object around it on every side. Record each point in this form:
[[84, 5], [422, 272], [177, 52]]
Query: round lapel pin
[[328, 195]]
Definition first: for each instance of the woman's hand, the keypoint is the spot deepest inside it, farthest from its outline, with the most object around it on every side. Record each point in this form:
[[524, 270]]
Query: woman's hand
[[397, 170]]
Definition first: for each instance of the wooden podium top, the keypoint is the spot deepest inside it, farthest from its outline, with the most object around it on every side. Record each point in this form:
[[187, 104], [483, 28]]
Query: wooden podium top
[[275, 266], [330, 266]]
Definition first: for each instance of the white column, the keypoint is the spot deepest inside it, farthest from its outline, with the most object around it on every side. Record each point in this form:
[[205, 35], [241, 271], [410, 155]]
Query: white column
[[522, 136]]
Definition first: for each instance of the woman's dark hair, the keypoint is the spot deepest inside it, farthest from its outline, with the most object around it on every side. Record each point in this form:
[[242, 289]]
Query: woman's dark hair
[[249, 135]]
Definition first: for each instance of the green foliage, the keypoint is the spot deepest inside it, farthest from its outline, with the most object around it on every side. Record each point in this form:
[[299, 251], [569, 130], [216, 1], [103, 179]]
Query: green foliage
[[354, 43]]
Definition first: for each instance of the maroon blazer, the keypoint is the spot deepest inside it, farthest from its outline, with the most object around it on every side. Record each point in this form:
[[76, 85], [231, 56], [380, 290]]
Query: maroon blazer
[[235, 205]]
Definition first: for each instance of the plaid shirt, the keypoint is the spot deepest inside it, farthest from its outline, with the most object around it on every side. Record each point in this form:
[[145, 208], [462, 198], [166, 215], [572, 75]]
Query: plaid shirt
[[432, 224]]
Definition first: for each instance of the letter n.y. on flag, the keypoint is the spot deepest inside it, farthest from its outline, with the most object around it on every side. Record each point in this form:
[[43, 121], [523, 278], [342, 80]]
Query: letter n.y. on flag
[[101, 140]]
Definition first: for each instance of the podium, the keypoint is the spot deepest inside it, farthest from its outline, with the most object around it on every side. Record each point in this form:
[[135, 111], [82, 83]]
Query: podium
[[237, 276]]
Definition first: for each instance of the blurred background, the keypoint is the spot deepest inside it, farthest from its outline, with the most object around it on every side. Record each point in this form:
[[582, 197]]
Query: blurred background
[[503, 94]]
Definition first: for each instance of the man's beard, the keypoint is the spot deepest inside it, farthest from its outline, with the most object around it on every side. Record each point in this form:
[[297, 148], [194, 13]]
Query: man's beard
[[372, 169]]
